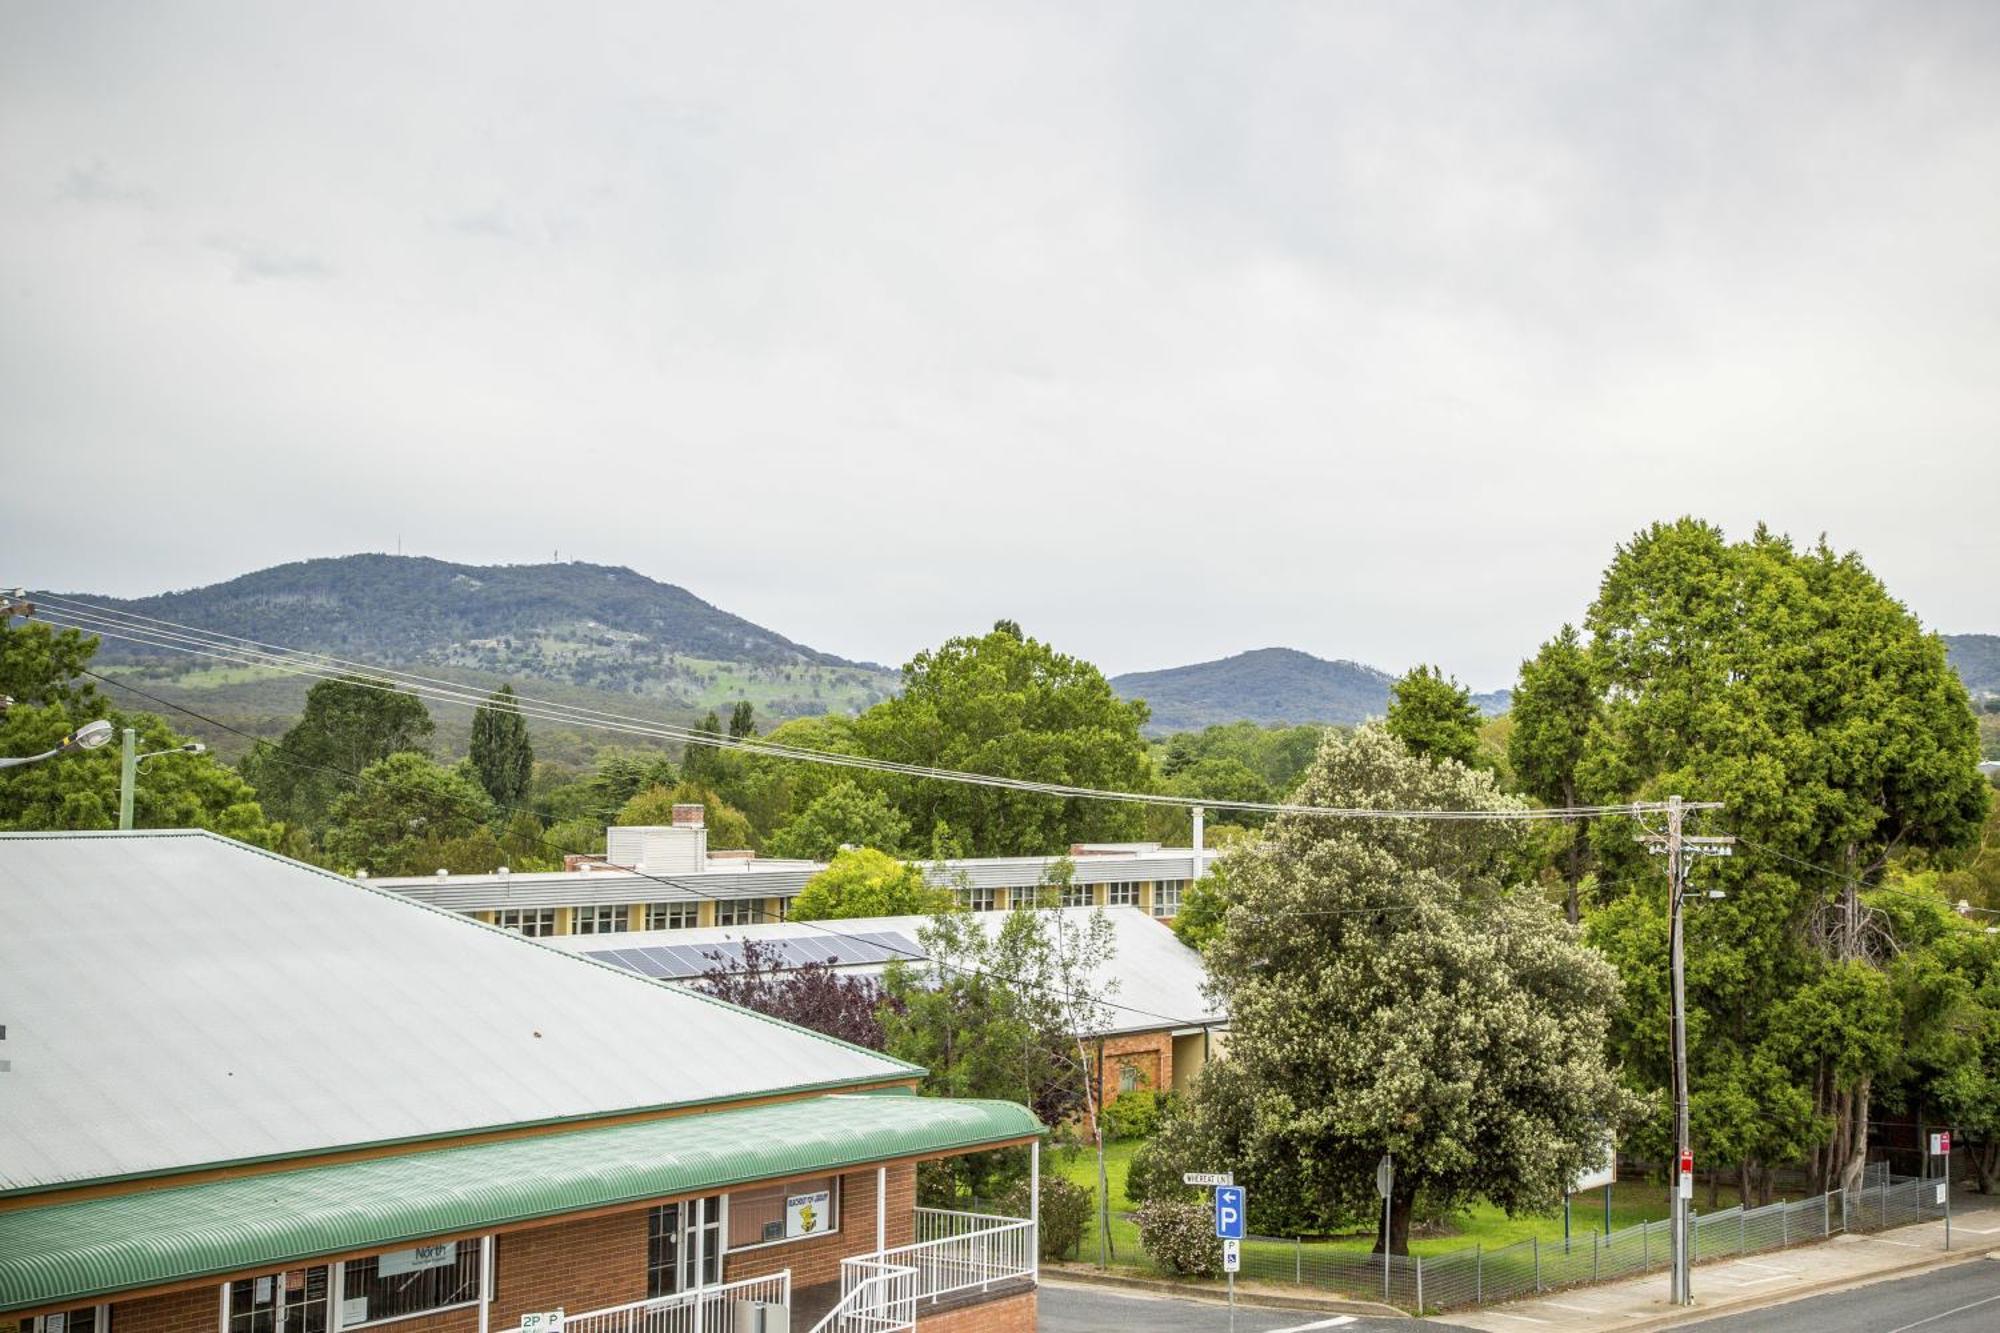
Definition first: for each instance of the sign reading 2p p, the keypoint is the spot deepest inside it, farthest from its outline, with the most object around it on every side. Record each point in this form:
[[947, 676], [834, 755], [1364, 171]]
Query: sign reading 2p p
[[1229, 1212]]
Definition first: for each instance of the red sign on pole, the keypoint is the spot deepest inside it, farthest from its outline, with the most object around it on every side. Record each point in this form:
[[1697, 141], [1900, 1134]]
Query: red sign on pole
[[1941, 1144], [1687, 1162]]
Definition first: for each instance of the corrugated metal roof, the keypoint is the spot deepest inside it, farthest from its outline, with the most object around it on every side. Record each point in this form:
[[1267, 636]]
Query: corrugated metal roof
[[1156, 979], [64, 1253], [178, 999]]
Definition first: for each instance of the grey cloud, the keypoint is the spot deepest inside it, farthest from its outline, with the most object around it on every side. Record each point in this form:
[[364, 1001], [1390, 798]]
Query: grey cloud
[[250, 262]]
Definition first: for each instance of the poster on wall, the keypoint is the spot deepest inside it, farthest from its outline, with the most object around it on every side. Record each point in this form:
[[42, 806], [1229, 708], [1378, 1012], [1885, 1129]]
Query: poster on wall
[[397, 1263], [807, 1214]]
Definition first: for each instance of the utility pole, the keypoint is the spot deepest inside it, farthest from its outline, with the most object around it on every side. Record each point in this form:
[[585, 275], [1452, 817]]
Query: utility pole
[[1679, 850]]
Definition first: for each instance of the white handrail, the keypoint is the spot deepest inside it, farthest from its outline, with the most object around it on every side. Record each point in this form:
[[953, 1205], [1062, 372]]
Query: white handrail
[[994, 1253], [882, 1301], [697, 1310]]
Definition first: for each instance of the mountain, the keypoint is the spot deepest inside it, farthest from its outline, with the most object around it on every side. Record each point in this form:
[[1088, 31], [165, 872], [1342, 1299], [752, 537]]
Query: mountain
[[590, 634], [1976, 658], [1268, 685]]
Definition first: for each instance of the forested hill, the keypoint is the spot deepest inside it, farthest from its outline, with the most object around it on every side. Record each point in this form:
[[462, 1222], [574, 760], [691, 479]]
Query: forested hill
[[1976, 657], [1268, 685], [604, 630]]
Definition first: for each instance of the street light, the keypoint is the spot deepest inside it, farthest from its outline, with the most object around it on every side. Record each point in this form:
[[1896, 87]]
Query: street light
[[86, 737], [128, 771]]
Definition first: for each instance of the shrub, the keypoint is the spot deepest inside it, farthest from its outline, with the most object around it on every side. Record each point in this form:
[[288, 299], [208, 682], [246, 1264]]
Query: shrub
[[1132, 1115], [1180, 1235], [1066, 1208], [1155, 1174]]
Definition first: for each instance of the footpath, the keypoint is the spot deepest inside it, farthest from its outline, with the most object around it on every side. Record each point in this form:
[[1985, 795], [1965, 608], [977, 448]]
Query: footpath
[[1768, 1278]]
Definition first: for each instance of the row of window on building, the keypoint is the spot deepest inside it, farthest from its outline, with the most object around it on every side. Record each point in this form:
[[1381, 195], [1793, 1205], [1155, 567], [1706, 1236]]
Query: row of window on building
[[1165, 900], [613, 918], [684, 1249]]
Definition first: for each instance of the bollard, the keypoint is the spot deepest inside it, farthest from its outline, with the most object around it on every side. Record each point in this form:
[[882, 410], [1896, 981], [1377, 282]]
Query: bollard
[[1299, 1260], [1784, 1224], [1742, 1229], [1478, 1274], [1420, 1284], [1645, 1246]]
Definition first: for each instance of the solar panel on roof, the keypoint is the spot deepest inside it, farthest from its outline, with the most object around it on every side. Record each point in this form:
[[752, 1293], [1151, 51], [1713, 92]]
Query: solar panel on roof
[[697, 959], [632, 960]]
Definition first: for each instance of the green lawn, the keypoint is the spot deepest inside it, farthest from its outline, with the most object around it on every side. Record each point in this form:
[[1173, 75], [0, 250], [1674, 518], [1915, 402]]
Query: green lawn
[[1632, 1202]]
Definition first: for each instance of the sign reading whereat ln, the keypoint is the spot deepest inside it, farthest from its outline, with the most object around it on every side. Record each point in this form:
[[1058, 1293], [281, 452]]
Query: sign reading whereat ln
[[1229, 1212], [1207, 1178]]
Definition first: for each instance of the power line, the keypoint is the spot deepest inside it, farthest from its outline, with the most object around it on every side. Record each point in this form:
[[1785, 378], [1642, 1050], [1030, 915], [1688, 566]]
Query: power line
[[667, 882], [170, 636], [1846, 880]]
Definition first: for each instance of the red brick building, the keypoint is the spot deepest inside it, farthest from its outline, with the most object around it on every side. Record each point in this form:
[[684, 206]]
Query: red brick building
[[246, 1096]]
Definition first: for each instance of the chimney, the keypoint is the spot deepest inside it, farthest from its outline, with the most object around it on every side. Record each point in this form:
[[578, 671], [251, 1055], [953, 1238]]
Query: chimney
[[692, 815]]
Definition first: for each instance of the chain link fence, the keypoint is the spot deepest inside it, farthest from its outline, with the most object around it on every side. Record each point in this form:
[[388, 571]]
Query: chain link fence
[[1430, 1283]]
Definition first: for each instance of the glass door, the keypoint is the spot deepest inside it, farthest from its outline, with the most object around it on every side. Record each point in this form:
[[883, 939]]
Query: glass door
[[701, 1242], [293, 1301]]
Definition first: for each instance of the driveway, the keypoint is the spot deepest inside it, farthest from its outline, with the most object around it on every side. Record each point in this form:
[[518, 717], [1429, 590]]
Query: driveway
[[1078, 1307]]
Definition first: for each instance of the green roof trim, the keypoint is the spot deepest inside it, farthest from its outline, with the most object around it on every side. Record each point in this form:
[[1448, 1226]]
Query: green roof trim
[[65, 1253]]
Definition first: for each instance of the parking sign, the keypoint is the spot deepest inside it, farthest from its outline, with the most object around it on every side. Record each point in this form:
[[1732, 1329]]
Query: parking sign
[[1229, 1212]]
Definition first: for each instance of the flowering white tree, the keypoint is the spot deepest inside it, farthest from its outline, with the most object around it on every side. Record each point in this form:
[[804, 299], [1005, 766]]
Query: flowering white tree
[[1389, 992]]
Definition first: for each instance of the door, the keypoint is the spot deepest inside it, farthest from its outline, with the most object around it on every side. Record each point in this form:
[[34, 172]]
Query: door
[[293, 1301]]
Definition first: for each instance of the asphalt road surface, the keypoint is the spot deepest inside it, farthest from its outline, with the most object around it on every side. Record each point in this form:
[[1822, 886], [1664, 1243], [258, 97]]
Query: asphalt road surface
[[1074, 1307], [1961, 1299]]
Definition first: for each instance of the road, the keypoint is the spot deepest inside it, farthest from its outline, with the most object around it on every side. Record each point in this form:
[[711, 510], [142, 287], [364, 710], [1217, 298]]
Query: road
[[1075, 1307], [1959, 1299]]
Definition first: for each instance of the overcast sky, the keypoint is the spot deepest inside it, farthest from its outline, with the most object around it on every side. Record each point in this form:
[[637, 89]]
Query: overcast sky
[[1167, 330]]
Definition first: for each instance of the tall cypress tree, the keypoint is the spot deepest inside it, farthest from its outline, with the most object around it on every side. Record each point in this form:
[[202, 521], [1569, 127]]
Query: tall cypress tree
[[501, 755]]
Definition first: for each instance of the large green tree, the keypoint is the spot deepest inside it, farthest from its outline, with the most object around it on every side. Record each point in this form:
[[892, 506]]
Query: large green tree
[[1434, 715], [1011, 706], [1789, 685], [1390, 992], [41, 670], [843, 816], [1554, 706], [409, 816], [501, 754], [347, 725]]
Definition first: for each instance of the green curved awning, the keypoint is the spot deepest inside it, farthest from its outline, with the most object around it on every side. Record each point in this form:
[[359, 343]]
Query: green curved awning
[[68, 1253]]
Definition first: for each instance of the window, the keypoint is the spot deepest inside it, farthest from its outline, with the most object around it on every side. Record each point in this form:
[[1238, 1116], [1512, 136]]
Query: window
[[1079, 895], [605, 920], [739, 912], [980, 900], [1167, 897], [771, 1214], [672, 916], [293, 1301], [1128, 1078], [408, 1282], [84, 1319], [684, 1246], [529, 921], [1124, 894]]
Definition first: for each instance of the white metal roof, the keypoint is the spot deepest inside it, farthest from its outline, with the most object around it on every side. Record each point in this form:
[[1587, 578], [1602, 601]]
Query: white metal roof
[[1158, 980], [178, 999]]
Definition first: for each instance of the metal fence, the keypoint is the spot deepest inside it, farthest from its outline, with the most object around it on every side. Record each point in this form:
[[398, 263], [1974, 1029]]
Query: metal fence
[[1476, 1275]]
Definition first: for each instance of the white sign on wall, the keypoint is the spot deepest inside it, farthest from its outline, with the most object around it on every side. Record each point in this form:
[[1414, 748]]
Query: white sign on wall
[[396, 1263], [550, 1321], [808, 1214]]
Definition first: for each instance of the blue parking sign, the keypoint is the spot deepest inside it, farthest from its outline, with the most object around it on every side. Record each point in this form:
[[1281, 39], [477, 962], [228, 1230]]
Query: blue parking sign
[[1229, 1212]]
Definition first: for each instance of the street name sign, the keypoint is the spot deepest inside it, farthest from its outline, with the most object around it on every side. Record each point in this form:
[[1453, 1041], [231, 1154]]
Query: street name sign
[[1207, 1179]]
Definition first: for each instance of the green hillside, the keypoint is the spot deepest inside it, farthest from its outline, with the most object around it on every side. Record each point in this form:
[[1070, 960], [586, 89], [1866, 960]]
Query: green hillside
[[1266, 686], [593, 635], [1976, 658]]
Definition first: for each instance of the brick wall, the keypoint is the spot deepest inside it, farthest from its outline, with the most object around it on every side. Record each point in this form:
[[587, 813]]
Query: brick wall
[[590, 1263], [1005, 1314], [1152, 1052]]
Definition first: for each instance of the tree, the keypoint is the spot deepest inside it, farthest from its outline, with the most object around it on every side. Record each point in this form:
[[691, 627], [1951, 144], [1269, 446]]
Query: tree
[[501, 754], [814, 995], [698, 758], [843, 816], [41, 670], [1203, 907], [409, 816], [1004, 1014], [1554, 706], [728, 828], [1389, 992], [347, 725], [1433, 715], [742, 720], [865, 882], [1790, 685], [1010, 706]]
